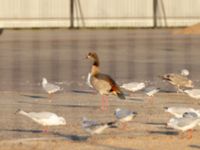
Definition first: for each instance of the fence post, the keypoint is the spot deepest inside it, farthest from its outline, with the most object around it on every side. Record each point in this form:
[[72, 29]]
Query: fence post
[[71, 14], [155, 9]]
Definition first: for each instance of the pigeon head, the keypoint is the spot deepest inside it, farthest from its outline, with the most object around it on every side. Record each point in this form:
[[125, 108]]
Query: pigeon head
[[185, 72], [117, 109], [62, 120], [44, 81], [166, 109]]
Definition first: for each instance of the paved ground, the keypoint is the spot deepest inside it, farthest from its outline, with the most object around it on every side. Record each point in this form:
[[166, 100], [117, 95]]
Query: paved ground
[[59, 55]]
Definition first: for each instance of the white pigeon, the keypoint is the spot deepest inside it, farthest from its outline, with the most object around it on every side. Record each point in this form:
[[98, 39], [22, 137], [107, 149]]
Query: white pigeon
[[49, 88], [150, 91], [44, 118], [124, 115], [88, 81], [184, 124], [133, 86], [93, 127], [185, 72], [179, 111], [194, 93]]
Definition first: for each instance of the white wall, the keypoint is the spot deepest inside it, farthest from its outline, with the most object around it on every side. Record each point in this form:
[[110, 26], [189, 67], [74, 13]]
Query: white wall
[[97, 13], [117, 13], [178, 12], [34, 13]]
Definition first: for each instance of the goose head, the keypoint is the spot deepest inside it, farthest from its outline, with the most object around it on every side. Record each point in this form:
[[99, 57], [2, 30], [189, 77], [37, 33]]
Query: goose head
[[93, 56]]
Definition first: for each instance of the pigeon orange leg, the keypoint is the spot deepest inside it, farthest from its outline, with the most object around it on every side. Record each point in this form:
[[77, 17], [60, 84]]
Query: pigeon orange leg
[[124, 126], [50, 95], [45, 130], [181, 135], [189, 134]]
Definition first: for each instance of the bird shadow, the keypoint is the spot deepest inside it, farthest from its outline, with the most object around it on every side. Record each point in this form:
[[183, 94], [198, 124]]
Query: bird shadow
[[178, 103], [34, 96], [167, 91], [195, 146], [156, 123], [112, 147], [61, 105], [22, 130], [1, 31], [135, 99], [164, 132], [70, 137], [84, 91]]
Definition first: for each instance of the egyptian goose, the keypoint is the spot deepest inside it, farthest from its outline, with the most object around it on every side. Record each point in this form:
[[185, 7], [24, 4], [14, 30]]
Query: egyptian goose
[[103, 83], [179, 81]]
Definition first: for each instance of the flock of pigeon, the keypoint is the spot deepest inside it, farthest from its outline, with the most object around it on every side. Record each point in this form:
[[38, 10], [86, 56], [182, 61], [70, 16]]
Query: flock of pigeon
[[185, 119]]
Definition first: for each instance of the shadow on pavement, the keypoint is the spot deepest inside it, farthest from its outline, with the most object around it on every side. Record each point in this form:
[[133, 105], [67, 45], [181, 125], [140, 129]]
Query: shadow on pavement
[[194, 146], [136, 99], [77, 138], [85, 91], [156, 123], [71, 137], [22, 130], [34, 96], [164, 132], [61, 105], [1, 31], [113, 147]]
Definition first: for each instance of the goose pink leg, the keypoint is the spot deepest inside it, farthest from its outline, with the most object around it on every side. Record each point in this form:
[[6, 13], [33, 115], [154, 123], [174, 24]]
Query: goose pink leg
[[102, 104]]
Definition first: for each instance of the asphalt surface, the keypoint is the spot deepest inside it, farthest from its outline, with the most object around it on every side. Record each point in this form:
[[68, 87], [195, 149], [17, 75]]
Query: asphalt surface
[[59, 55]]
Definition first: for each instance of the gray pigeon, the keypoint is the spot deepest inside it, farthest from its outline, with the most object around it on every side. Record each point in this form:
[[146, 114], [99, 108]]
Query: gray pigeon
[[49, 87], [124, 115], [93, 127]]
